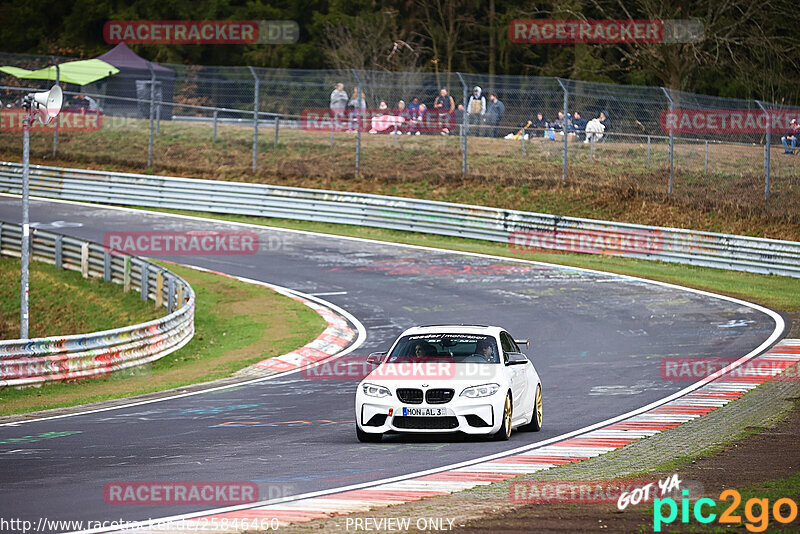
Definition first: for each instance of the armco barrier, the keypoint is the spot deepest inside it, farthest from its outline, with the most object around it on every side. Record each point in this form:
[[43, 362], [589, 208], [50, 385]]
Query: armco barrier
[[522, 230], [31, 361]]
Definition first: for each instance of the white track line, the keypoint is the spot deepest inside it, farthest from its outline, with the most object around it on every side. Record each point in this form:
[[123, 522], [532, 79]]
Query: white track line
[[360, 339], [777, 332]]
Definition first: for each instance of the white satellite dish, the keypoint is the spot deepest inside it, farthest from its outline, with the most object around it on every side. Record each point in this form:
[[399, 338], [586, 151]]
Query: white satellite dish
[[48, 105]]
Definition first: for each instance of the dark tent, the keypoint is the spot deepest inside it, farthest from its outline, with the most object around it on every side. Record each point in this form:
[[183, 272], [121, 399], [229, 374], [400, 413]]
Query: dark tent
[[133, 81]]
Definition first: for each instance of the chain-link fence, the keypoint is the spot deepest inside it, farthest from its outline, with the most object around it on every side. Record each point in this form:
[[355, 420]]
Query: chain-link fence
[[394, 124]]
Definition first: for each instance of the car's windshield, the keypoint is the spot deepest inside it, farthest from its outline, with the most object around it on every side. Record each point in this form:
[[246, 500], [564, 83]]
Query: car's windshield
[[456, 348]]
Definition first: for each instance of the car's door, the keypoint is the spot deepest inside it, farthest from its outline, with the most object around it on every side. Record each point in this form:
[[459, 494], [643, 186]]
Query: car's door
[[518, 379]]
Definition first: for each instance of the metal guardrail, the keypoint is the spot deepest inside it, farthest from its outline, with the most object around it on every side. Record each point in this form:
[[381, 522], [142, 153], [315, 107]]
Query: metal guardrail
[[523, 231], [31, 361]]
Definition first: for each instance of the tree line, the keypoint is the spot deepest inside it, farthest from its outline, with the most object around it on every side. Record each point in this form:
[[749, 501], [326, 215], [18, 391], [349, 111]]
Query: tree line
[[749, 50]]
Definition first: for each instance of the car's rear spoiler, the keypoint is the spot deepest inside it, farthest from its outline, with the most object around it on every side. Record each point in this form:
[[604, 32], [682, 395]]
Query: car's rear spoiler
[[526, 342]]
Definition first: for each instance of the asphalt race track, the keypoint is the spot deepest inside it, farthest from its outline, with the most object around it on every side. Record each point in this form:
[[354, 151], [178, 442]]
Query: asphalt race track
[[597, 342]]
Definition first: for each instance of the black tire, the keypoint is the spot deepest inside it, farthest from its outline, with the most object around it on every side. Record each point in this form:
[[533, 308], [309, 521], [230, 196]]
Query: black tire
[[505, 430], [366, 437], [536, 421]]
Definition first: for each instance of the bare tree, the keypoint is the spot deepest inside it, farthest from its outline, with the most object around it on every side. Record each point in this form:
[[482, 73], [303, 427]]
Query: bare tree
[[371, 42], [733, 31], [386, 56], [444, 25]]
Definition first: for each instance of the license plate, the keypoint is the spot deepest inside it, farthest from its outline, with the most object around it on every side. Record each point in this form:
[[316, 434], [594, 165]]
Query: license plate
[[428, 412]]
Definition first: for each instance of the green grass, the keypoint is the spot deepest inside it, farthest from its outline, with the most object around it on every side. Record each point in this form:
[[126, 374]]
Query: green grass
[[236, 324], [777, 292], [616, 185], [62, 302]]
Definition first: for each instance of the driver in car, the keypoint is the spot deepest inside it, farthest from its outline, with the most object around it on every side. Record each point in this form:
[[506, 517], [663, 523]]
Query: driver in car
[[423, 349], [486, 349]]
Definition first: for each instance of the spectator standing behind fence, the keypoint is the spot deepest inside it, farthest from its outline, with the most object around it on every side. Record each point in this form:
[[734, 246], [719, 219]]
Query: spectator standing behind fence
[[444, 102], [357, 106], [338, 99], [357, 101], [579, 125], [791, 137], [494, 114], [476, 108], [459, 118], [444, 106]]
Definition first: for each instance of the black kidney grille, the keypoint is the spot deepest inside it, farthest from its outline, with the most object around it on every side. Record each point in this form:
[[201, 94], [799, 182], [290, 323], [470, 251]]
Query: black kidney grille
[[439, 396], [409, 395]]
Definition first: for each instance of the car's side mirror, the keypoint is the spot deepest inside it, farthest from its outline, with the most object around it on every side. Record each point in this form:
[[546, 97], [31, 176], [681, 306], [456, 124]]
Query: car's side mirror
[[376, 358], [516, 358], [526, 342]]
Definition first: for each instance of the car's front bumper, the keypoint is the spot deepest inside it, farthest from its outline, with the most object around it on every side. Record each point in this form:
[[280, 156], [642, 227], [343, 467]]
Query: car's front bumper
[[470, 416]]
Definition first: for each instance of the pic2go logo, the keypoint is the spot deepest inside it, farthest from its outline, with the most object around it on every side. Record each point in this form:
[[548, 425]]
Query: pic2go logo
[[757, 522]]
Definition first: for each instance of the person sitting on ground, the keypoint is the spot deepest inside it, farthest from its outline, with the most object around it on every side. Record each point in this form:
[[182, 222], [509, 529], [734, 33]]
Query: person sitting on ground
[[417, 120], [562, 123], [85, 103], [540, 124], [579, 125], [413, 107], [791, 138], [385, 121], [403, 113], [594, 130], [605, 121]]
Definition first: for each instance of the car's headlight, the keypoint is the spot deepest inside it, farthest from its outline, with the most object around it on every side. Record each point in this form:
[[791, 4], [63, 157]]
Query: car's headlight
[[483, 390], [376, 391]]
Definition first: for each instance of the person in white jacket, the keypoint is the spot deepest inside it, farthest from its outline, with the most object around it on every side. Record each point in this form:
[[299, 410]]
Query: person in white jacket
[[476, 109]]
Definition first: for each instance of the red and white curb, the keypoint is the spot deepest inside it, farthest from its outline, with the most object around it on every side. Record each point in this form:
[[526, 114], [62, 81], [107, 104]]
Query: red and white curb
[[333, 340], [337, 335], [723, 387]]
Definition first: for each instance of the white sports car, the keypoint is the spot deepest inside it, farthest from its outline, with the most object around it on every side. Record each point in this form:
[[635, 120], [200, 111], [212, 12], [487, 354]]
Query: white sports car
[[450, 378]]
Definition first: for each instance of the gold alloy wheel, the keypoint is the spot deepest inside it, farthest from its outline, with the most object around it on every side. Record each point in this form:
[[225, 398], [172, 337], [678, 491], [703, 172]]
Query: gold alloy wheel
[[507, 416], [539, 405]]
